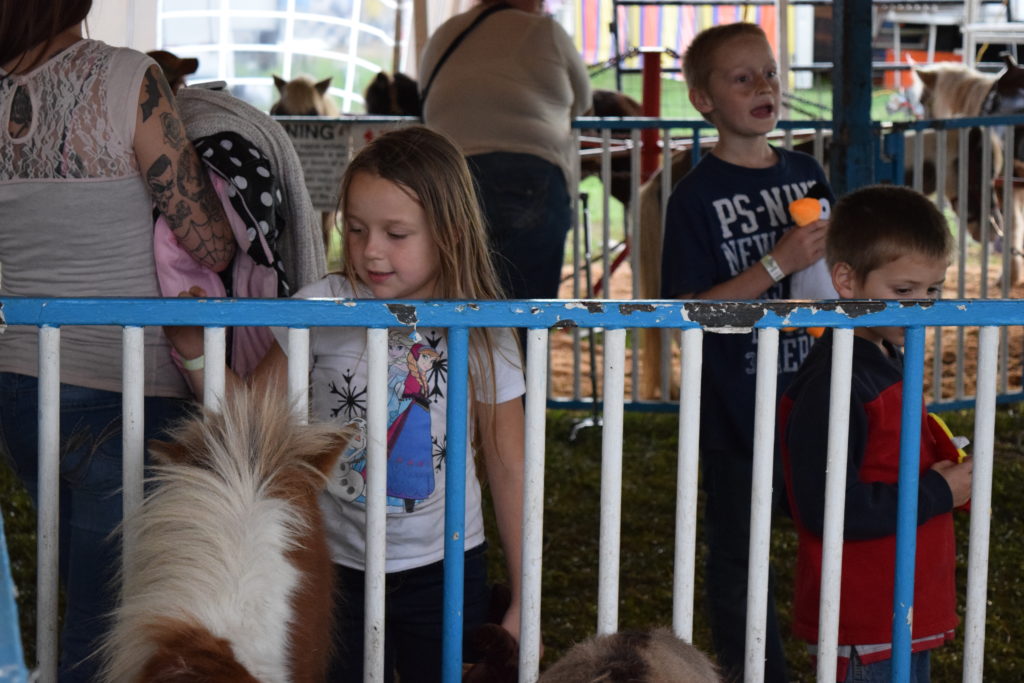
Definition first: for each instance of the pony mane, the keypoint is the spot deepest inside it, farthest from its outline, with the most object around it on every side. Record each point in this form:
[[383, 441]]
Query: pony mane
[[951, 89], [210, 547]]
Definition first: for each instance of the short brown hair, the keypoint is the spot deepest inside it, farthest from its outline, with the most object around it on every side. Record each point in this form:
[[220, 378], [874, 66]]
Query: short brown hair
[[875, 225], [24, 25], [698, 60]]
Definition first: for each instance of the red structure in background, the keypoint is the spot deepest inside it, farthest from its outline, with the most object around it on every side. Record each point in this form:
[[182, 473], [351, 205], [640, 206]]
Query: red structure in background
[[650, 154]]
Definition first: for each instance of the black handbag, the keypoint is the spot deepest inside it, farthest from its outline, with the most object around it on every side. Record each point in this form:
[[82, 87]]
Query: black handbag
[[497, 7]]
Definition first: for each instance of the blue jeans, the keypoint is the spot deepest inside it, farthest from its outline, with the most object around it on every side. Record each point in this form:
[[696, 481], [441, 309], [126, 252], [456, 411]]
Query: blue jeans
[[90, 497], [727, 478], [413, 605], [881, 672], [526, 205]]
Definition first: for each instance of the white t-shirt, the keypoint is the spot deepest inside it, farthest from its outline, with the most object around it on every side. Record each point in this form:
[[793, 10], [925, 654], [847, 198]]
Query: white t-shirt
[[417, 413]]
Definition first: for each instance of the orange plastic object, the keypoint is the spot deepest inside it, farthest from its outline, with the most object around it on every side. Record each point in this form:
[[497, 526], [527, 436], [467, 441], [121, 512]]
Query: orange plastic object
[[815, 332], [804, 211]]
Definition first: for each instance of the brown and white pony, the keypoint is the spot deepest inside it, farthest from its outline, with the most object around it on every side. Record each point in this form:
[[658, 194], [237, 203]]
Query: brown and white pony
[[951, 90], [655, 656], [227, 576]]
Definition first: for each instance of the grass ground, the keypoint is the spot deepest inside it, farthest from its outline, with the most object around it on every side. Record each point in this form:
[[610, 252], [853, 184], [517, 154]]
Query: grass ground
[[571, 516]]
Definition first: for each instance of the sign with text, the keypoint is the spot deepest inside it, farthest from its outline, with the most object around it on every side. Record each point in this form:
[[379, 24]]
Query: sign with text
[[325, 147]]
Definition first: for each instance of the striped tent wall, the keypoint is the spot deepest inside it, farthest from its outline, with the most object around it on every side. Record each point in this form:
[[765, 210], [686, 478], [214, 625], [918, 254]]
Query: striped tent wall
[[660, 25]]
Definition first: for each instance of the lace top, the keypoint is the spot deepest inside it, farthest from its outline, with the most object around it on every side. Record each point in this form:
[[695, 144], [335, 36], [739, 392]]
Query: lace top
[[77, 218], [69, 94]]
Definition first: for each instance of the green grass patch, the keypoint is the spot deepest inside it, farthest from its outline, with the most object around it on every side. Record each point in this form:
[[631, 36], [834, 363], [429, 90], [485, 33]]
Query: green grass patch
[[571, 537]]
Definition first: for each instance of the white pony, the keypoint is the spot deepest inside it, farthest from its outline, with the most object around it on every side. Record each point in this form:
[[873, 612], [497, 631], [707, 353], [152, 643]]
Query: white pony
[[227, 576]]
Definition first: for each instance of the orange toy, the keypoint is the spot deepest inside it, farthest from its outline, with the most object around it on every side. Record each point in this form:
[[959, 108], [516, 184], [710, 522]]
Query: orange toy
[[804, 211]]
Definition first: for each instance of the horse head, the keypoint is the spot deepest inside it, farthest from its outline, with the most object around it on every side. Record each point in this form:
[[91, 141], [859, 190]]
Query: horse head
[[397, 96], [301, 96]]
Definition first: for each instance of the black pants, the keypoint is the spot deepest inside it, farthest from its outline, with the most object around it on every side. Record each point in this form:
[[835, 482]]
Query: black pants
[[526, 205], [413, 603], [727, 478]]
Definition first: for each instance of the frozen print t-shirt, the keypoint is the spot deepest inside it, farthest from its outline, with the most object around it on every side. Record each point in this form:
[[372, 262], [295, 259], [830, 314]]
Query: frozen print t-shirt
[[417, 391]]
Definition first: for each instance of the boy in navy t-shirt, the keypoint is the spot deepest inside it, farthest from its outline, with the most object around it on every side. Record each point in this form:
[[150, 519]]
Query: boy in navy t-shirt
[[729, 236]]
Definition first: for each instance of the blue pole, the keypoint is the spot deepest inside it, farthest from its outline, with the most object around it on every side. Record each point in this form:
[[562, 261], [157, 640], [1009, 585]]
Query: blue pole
[[853, 150], [906, 515], [455, 505]]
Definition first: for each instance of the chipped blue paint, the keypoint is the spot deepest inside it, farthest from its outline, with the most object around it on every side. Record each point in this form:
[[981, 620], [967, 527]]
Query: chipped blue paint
[[535, 314]]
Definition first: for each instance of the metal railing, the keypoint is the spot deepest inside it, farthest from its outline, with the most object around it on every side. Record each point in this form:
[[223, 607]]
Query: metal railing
[[690, 319]]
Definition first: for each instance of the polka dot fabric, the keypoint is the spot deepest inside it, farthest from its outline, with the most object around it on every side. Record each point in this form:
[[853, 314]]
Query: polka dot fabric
[[254, 193]]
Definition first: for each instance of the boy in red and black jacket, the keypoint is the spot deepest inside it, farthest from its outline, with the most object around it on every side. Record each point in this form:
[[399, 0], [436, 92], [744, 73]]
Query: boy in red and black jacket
[[885, 242]]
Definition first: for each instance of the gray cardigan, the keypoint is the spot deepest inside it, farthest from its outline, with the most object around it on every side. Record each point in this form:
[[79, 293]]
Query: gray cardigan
[[207, 112]]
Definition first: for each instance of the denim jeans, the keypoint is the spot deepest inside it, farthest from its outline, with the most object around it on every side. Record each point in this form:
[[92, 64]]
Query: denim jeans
[[90, 497], [881, 672], [727, 478], [526, 205], [413, 604]]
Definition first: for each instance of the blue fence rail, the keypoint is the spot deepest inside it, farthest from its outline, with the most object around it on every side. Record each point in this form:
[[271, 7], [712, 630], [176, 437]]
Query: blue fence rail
[[610, 316]]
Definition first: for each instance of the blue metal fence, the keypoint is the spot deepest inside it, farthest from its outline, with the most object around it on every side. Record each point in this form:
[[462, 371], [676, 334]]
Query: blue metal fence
[[459, 317]]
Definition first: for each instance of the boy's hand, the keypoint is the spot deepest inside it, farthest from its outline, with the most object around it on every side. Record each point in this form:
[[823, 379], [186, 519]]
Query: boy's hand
[[958, 477], [800, 247]]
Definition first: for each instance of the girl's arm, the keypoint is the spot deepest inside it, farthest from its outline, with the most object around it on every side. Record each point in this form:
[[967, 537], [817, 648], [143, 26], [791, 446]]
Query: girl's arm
[[189, 343], [503, 456], [175, 176]]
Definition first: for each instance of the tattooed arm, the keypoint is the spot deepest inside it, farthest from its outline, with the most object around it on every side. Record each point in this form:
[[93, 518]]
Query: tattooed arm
[[175, 176]]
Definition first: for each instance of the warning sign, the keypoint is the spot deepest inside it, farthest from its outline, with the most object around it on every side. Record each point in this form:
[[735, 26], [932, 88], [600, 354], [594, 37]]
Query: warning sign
[[325, 147]]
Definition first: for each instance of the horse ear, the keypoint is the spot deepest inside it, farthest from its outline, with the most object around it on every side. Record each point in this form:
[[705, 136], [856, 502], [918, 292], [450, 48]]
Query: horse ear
[[167, 452], [324, 460], [323, 85], [927, 77], [280, 83]]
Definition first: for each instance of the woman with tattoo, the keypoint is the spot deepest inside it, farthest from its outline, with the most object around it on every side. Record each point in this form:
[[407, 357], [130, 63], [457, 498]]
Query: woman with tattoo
[[90, 142]]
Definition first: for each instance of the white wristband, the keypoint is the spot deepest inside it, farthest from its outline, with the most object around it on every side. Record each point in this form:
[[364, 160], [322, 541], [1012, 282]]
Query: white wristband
[[772, 266], [197, 363]]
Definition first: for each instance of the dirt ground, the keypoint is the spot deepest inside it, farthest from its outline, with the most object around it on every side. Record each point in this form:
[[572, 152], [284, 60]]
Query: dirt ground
[[563, 384]]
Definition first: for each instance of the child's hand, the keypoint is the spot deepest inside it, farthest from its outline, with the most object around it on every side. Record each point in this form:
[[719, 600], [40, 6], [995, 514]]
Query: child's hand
[[800, 247], [187, 340], [958, 477], [511, 624]]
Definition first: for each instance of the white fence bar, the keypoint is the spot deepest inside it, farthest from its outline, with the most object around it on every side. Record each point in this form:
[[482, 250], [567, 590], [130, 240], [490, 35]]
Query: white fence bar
[[133, 421], [835, 502], [961, 265], [213, 373], [986, 202], [611, 481], [376, 491], [1009, 216], [606, 207], [533, 504], [631, 236], [666, 191], [298, 371], [47, 533], [761, 503], [981, 507], [683, 583]]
